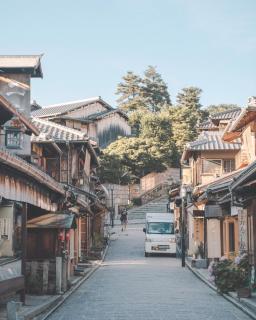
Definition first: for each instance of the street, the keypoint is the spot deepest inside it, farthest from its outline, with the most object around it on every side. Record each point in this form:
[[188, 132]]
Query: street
[[130, 286]]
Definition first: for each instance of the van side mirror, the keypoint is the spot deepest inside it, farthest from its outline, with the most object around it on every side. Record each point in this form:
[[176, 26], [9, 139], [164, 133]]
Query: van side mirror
[[144, 230]]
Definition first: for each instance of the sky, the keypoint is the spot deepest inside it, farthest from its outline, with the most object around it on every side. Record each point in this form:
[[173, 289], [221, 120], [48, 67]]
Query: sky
[[88, 45]]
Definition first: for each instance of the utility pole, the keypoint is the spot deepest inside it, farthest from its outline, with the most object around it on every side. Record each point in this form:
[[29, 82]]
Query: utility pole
[[112, 213], [183, 232], [183, 193], [23, 246]]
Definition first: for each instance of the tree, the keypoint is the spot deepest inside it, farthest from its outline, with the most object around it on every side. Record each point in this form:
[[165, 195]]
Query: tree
[[211, 109], [153, 150], [129, 91], [135, 118], [186, 116], [154, 90], [111, 169], [142, 94], [138, 156]]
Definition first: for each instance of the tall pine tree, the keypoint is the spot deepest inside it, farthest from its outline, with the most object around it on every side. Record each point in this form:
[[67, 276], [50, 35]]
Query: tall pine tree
[[186, 116], [129, 91], [154, 90]]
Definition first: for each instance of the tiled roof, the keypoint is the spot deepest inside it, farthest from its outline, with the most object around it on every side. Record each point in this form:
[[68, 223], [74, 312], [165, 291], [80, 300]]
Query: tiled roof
[[14, 62], [62, 108], [29, 169], [56, 132], [207, 125], [51, 131], [212, 141], [226, 115], [103, 114], [219, 182], [247, 174]]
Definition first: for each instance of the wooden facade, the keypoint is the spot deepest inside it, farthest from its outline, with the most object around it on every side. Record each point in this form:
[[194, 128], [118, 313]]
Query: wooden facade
[[48, 174], [208, 165]]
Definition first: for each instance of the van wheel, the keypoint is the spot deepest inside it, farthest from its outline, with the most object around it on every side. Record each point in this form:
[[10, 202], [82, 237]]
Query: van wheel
[[146, 254]]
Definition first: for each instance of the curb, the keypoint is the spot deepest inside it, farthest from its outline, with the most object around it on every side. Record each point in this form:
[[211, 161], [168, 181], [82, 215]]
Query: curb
[[31, 314], [76, 286], [224, 295]]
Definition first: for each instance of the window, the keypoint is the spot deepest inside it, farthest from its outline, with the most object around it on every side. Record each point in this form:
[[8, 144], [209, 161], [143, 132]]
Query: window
[[5, 228], [212, 166], [160, 228], [228, 165], [231, 237], [218, 166], [13, 138], [64, 169]]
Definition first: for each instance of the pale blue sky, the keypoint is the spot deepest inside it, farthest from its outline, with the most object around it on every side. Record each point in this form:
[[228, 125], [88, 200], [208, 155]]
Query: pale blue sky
[[89, 44]]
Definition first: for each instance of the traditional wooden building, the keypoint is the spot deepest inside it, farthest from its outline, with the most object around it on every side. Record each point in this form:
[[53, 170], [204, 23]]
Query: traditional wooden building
[[94, 117], [74, 164], [25, 190], [48, 182], [243, 186], [208, 164]]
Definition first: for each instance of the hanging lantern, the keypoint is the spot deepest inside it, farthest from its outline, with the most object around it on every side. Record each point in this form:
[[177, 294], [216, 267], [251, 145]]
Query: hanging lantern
[[61, 235], [67, 236]]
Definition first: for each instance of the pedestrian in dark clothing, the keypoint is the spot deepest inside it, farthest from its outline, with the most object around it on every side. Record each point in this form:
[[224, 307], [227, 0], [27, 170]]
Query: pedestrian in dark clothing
[[124, 219]]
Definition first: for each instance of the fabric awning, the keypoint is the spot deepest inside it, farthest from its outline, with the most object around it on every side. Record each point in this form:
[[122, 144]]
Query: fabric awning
[[53, 221]]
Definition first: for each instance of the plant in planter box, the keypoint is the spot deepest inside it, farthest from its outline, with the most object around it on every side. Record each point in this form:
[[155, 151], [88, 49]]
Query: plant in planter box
[[224, 273], [231, 275], [243, 272]]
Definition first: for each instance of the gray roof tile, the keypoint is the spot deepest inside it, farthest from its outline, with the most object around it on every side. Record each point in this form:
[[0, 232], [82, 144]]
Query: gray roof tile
[[226, 115], [212, 141], [56, 132], [62, 108]]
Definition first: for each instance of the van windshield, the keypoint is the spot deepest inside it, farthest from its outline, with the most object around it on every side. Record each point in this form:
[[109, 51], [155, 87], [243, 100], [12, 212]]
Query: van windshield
[[160, 228]]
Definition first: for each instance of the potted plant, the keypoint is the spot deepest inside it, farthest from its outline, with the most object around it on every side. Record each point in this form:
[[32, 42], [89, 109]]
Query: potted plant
[[223, 274], [243, 271], [229, 275]]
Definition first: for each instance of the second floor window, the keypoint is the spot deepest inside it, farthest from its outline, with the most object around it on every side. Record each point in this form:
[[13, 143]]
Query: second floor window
[[228, 165], [13, 139], [217, 166], [211, 166]]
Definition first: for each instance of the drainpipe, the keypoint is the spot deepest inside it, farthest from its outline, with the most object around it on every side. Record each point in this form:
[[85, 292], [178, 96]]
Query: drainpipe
[[68, 145]]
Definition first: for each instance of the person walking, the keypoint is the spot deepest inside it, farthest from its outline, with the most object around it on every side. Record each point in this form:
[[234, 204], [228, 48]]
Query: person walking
[[124, 219]]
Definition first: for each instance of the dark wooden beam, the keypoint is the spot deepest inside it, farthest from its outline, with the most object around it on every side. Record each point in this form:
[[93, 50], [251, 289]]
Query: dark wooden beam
[[24, 247]]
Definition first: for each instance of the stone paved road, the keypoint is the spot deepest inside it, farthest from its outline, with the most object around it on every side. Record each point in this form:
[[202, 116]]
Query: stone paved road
[[131, 287]]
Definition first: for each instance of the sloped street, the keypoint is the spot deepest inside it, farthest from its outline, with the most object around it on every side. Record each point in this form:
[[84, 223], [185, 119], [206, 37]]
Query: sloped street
[[129, 286]]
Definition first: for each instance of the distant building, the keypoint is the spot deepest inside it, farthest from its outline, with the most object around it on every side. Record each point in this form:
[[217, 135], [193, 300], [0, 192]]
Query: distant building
[[93, 116]]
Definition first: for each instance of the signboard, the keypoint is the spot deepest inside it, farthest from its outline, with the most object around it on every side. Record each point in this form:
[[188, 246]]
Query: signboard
[[242, 225], [213, 211], [236, 210], [198, 213]]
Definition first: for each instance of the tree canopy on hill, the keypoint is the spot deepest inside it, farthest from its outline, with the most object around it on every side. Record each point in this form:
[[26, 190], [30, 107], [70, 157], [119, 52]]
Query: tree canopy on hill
[[160, 129]]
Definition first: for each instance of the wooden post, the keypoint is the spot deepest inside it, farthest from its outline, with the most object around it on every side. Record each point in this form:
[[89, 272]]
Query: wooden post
[[24, 247], [205, 238]]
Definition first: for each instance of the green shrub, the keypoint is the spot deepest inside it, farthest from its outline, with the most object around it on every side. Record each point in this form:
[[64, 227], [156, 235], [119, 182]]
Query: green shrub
[[230, 275]]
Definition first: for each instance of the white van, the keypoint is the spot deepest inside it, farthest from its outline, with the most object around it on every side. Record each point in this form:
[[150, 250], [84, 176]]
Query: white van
[[159, 234]]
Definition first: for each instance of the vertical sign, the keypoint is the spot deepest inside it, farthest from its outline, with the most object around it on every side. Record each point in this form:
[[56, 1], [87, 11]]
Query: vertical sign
[[242, 224]]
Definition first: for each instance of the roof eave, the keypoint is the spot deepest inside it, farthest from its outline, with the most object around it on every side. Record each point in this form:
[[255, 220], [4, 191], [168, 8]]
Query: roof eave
[[10, 108]]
